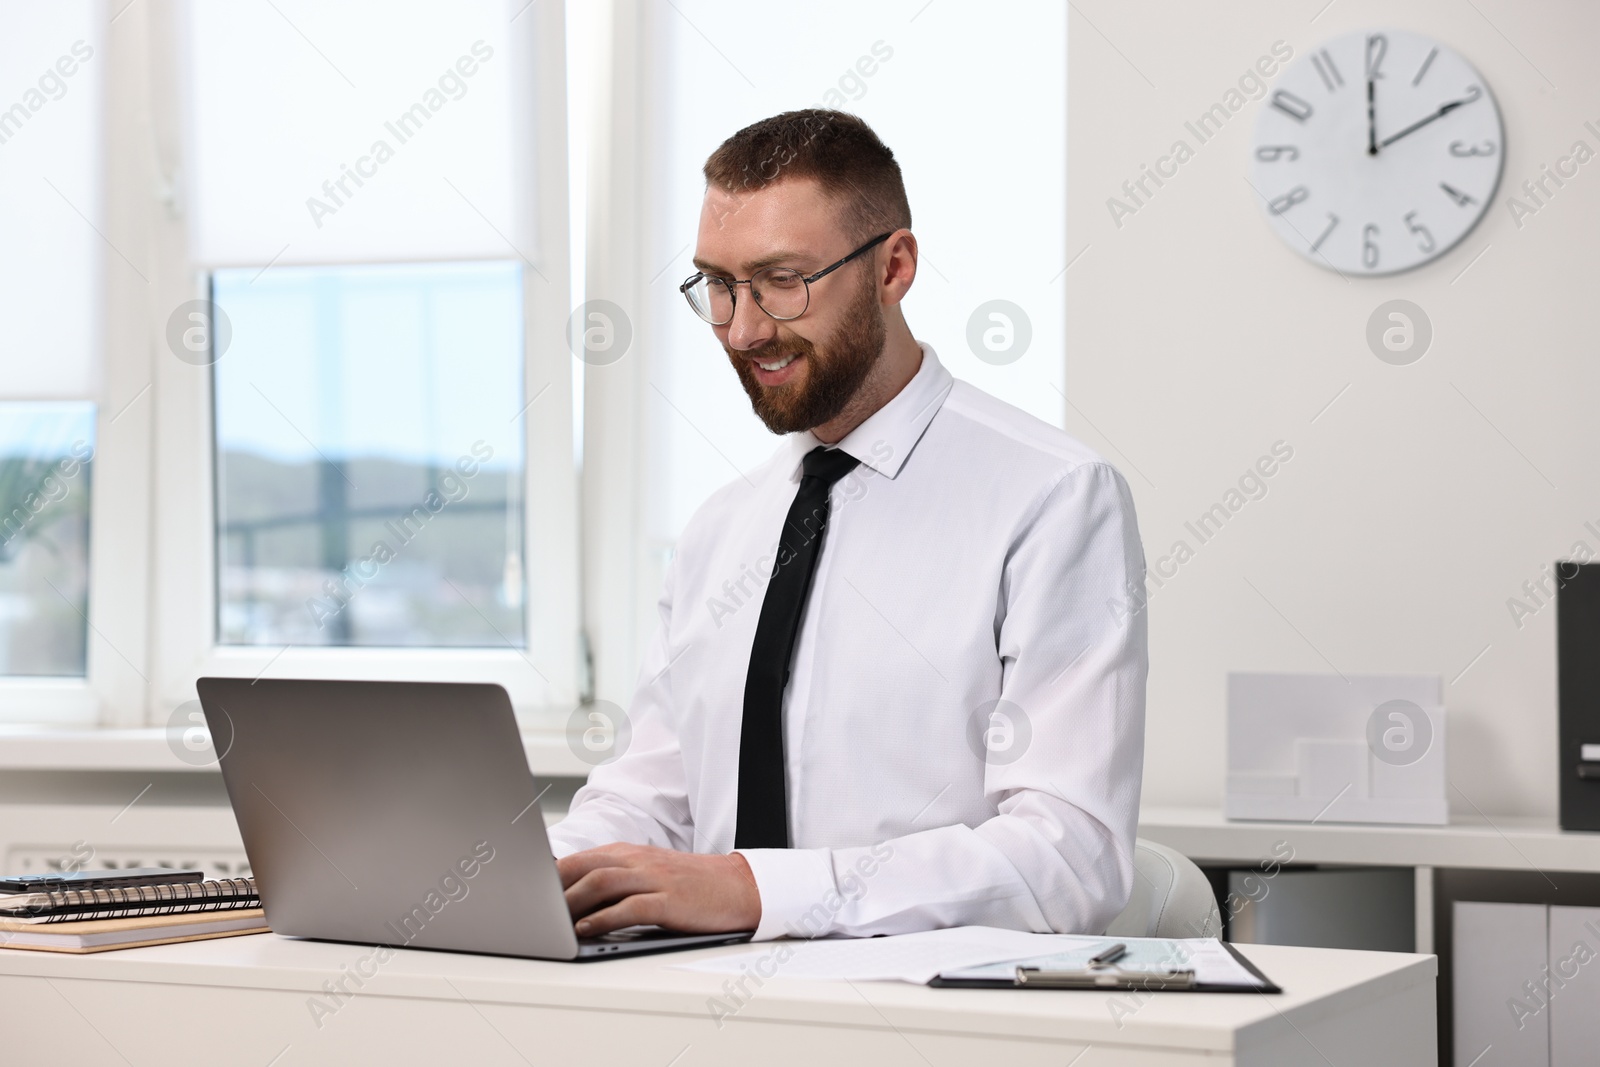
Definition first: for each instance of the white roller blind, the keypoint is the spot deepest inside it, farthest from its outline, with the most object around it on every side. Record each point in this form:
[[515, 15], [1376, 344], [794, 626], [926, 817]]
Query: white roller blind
[[51, 256], [990, 215], [364, 130]]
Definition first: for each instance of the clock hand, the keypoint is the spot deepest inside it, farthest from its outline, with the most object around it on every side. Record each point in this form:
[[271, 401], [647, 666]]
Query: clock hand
[[1372, 123], [1444, 110], [1377, 45]]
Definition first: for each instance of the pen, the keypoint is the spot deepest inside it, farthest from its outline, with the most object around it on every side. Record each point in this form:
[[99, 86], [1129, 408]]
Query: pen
[[1109, 955]]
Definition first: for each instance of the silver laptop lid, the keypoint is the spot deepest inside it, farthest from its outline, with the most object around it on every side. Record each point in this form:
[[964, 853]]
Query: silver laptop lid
[[395, 813]]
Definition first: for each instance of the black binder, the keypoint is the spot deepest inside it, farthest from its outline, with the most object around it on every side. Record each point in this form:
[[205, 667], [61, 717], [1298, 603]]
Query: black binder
[[1578, 692]]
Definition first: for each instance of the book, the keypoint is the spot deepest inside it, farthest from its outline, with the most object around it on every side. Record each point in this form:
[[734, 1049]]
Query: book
[[101, 935], [117, 902]]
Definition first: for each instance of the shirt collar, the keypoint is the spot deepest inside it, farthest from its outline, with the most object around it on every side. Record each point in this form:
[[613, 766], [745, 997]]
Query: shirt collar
[[886, 438]]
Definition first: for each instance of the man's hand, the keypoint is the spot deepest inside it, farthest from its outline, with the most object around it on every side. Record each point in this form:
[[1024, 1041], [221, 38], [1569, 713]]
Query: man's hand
[[627, 885]]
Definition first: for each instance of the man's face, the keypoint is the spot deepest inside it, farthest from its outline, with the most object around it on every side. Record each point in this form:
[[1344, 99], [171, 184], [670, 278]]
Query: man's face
[[802, 372]]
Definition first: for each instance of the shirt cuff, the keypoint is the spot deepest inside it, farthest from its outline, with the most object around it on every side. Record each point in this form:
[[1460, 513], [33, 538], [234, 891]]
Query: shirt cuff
[[797, 889], [557, 834]]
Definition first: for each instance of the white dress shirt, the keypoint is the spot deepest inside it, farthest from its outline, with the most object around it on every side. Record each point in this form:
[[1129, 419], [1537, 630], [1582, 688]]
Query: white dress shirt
[[975, 555]]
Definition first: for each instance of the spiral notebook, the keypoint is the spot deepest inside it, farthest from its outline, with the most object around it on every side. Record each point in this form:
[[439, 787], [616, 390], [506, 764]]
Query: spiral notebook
[[125, 902], [101, 935]]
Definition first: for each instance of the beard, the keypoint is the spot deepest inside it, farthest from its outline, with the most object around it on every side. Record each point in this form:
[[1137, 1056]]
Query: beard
[[834, 370]]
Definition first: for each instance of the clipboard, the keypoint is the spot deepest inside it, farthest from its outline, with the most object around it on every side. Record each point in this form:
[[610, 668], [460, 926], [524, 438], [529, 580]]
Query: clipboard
[[1112, 979]]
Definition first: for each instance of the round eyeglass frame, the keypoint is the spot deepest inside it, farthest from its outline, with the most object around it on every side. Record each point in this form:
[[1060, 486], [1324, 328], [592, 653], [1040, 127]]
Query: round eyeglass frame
[[732, 284]]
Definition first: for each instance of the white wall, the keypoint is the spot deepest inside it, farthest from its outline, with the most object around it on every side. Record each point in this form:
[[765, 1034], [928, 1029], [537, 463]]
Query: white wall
[[1407, 516]]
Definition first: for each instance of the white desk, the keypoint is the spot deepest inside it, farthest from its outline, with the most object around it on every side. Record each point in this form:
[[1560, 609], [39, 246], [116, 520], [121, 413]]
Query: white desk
[[1496, 842], [245, 1000]]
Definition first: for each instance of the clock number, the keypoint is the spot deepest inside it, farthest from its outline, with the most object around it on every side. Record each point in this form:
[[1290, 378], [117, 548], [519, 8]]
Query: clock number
[[1333, 220], [1457, 148], [1377, 48], [1461, 199], [1423, 69], [1291, 105], [1330, 73], [1424, 238], [1269, 153], [1369, 248], [1288, 200]]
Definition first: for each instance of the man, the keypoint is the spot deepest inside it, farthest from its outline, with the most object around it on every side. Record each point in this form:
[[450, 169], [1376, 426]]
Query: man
[[895, 686]]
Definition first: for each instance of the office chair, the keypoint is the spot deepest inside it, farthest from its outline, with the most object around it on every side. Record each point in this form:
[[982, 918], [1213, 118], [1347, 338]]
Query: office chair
[[1171, 898]]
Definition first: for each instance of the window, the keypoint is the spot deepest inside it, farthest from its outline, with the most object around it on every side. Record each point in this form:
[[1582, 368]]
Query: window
[[73, 454], [366, 379], [46, 452], [369, 456]]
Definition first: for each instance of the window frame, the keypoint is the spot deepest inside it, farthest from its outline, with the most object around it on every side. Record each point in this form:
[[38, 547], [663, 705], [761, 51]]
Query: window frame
[[183, 600], [112, 691]]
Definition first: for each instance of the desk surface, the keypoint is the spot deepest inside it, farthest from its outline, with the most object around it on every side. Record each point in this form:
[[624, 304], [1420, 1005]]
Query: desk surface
[[1495, 842], [1319, 985]]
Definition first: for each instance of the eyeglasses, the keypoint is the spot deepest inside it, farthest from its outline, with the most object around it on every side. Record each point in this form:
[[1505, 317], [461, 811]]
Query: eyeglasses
[[782, 292]]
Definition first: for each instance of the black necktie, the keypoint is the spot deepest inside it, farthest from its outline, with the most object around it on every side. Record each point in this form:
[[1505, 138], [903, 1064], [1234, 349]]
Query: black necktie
[[763, 813]]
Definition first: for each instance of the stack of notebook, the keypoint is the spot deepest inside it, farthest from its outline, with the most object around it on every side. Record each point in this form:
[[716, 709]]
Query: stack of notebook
[[100, 910]]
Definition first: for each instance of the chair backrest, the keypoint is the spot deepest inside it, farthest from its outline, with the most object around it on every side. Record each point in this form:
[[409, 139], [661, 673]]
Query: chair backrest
[[1171, 897]]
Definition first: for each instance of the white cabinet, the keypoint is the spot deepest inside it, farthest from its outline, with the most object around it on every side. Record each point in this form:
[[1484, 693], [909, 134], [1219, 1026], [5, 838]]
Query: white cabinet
[[1574, 961], [1527, 985], [1500, 951]]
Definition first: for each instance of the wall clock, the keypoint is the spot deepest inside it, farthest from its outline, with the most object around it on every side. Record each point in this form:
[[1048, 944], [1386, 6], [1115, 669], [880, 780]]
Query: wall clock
[[1377, 152]]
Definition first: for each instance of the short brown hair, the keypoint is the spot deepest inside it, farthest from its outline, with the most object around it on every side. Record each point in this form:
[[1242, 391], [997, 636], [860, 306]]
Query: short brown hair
[[835, 148]]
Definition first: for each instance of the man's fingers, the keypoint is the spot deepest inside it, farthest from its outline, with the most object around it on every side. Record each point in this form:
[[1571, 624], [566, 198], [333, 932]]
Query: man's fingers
[[578, 864], [606, 885], [640, 910], [573, 867]]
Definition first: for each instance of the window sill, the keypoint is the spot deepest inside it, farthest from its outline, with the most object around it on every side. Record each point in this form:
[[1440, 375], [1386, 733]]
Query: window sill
[[146, 749]]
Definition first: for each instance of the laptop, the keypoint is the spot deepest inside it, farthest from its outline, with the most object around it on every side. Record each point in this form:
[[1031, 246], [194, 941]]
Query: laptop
[[400, 814]]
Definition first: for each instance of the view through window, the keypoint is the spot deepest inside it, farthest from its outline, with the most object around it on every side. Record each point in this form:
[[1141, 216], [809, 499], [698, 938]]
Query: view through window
[[369, 455], [46, 452]]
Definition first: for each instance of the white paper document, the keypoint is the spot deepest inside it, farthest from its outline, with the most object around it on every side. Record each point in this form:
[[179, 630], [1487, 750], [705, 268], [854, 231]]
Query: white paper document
[[906, 957], [967, 951]]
